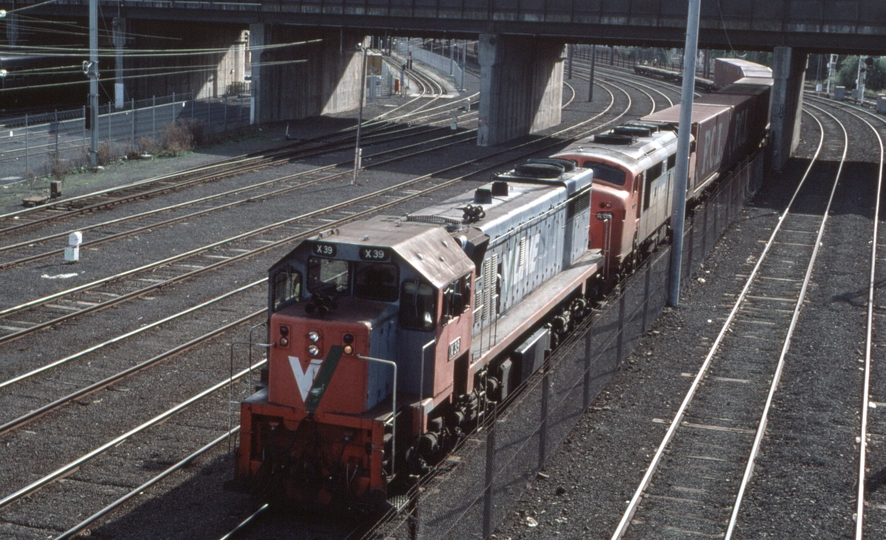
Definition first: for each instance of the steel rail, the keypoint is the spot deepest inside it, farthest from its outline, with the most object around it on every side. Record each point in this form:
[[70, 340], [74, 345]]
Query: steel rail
[[776, 378], [139, 330], [869, 323], [246, 522], [175, 258], [632, 79], [248, 161], [86, 458], [458, 139], [315, 213], [33, 414], [101, 384], [634, 503], [205, 174], [137, 491]]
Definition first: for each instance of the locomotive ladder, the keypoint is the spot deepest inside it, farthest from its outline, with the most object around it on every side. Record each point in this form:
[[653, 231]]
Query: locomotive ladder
[[692, 486]]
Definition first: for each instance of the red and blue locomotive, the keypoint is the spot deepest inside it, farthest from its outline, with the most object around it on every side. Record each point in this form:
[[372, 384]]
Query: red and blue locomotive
[[390, 336]]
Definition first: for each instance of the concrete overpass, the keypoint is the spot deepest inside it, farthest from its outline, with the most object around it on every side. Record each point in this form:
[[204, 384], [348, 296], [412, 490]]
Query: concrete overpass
[[521, 43]]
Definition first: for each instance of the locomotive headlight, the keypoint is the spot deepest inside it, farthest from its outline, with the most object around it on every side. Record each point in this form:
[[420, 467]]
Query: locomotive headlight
[[284, 342], [348, 349], [314, 336], [314, 350]]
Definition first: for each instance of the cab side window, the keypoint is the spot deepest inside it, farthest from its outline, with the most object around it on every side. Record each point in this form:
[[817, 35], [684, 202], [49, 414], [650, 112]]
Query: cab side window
[[456, 298], [286, 288], [418, 306]]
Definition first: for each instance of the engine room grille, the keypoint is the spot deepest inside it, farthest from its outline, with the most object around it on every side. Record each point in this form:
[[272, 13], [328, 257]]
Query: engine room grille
[[489, 269]]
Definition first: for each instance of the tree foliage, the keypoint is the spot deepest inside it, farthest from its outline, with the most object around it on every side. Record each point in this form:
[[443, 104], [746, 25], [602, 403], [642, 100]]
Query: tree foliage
[[875, 75]]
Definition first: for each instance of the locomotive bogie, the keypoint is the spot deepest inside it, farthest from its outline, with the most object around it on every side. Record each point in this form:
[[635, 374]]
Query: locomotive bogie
[[313, 459]]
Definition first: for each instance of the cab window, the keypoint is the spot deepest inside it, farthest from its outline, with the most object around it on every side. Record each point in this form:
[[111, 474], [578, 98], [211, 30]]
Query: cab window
[[328, 276], [376, 281], [606, 173], [456, 298], [418, 306], [286, 288]]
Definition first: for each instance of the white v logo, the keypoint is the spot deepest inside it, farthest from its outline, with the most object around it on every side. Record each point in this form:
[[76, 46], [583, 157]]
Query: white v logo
[[304, 378]]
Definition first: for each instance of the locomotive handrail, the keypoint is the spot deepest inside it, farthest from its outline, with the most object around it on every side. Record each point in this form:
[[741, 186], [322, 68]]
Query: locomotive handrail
[[421, 383], [393, 409], [250, 343]]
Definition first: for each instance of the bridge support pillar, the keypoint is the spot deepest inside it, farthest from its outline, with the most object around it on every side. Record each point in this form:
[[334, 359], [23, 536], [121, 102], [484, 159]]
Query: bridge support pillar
[[789, 73], [521, 85], [317, 73]]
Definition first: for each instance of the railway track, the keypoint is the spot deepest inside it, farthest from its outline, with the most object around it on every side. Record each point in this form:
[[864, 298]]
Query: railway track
[[710, 446], [39, 216], [870, 511], [61, 472]]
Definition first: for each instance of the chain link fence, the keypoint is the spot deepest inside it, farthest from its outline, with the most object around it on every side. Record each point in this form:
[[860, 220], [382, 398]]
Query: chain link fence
[[49, 144], [510, 449]]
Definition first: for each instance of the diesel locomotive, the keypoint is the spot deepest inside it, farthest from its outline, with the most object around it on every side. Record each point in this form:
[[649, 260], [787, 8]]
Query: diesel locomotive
[[391, 337]]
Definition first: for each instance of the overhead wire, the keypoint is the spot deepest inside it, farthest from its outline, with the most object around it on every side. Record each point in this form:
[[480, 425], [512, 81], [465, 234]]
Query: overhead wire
[[139, 53], [188, 71]]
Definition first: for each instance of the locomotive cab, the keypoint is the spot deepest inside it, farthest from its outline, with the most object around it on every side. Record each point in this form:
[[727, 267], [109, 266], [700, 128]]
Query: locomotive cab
[[364, 323], [632, 196]]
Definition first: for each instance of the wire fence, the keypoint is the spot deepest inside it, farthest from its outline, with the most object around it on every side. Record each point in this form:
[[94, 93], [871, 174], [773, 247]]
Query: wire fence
[[40, 145], [511, 449]]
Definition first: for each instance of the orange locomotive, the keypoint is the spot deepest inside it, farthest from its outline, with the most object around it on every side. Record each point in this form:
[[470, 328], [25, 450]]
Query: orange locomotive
[[634, 164]]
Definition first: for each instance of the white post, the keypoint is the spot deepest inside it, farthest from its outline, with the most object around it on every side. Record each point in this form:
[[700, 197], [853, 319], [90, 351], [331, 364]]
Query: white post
[[359, 116]]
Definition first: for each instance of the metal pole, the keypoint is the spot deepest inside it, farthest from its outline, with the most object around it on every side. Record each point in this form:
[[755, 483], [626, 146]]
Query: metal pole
[[591, 79], [569, 54], [93, 81], [586, 398], [117, 28], [464, 62], [490, 476], [27, 149], [359, 116], [153, 117], [681, 180]]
